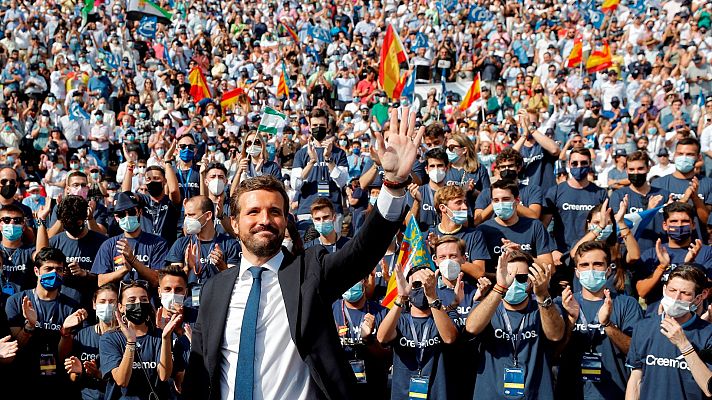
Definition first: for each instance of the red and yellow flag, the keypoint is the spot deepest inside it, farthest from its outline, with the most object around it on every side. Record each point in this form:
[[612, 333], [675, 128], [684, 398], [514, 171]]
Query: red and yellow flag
[[198, 85], [231, 97], [576, 55], [599, 60], [610, 5], [282, 85], [473, 94], [390, 74], [291, 32]]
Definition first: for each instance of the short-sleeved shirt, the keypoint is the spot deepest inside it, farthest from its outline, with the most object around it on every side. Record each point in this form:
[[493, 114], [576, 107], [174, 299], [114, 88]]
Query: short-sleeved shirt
[[528, 195], [461, 177], [332, 248], [529, 233], [86, 348], [17, 267], [678, 186], [268, 168], [148, 351], [474, 242], [534, 354], [570, 208], [148, 248], [319, 173], [428, 215], [638, 203], [589, 336], [160, 218], [649, 261], [538, 167], [666, 374], [188, 182], [232, 252], [82, 251]]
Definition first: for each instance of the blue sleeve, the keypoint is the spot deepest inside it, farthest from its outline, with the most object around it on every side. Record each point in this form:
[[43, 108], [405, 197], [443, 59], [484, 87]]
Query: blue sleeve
[[158, 258], [631, 314], [483, 200], [110, 354], [341, 160], [419, 170], [549, 205], [543, 242], [13, 310], [602, 195], [535, 196], [636, 349], [646, 264], [615, 201], [276, 171], [103, 261], [232, 252], [484, 178], [706, 190], [175, 254], [367, 162], [299, 159], [478, 250]]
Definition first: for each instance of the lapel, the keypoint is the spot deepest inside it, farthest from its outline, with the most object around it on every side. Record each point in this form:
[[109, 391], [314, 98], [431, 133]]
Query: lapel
[[291, 275], [223, 288]]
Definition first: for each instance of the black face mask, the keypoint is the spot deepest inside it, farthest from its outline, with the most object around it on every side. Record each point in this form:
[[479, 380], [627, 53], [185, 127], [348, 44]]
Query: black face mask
[[137, 313], [8, 191], [508, 174], [73, 228], [417, 299], [155, 188], [637, 180], [319, 133]]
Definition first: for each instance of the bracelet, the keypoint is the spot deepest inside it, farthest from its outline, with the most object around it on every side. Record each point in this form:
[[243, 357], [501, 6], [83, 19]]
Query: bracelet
[[687, 350], [397, 185], [624, 237], [662, 267], [502, 288], [606, 325], [687, 353], [131, 346]]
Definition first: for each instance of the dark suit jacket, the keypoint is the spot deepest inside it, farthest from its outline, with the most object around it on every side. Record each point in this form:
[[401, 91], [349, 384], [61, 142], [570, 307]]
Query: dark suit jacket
[[310, 283]]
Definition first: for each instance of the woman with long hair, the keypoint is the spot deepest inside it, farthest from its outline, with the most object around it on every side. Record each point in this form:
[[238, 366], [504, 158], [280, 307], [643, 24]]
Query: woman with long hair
[[464, 163], [253, 160]]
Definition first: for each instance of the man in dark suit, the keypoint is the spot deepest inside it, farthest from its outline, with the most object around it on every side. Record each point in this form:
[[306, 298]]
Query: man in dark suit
[[265, 329]]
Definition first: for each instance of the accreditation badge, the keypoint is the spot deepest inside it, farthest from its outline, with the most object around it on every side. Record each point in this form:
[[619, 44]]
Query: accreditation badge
[[514, 382], [591, 367]]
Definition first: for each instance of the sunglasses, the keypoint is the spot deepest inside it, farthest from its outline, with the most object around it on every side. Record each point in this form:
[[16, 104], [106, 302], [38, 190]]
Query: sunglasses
[[250, 143], [132, 283], [579, 164], [132, 212], [186, 146], [15, 220], [5, 182], [453, 147], [521, 278]]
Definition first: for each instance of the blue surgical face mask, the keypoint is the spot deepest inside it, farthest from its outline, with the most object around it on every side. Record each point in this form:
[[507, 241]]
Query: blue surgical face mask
[[652, 130], [35, 196], [607, 146], [324, 227], [580, 173], [186, 155], [677, 233], [354, 294], [11, 232], [503, 209], [372, 200], [129, 223], [356, 151], [516, 293], [130, 138], [452, 156], [51, 280], [592, 280], [458, 217], [685, 164], [605, 233]]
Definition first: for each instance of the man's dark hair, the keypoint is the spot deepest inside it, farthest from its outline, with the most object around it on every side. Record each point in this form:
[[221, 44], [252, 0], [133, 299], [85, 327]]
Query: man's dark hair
[[156, 168], [520, 256], [216, 166], [592, 245], [50, 254], [75, 173], [71, 209], [264, 182], [509, 154], [437, 153], [435, 129], [506, 184], [678, 206], [318, 113], [692, 273], [173, 270], [582, 151], [639, 156], [11, 208], [688, 141]]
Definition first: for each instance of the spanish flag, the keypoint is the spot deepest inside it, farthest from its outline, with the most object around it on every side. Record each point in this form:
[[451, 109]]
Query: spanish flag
[[198, 85], [391, 76], [576, 55], [472, 95], [231, 97], [290, 31], [610, 5], [599, 60], [283, 85]]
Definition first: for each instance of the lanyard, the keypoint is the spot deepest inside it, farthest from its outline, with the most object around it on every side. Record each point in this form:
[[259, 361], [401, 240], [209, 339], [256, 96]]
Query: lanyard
[[513, 338], [419, 345], [591, 333], [349, 323], [40, 313], [323, 172], [207, 258], [184, 182], [156, 215]]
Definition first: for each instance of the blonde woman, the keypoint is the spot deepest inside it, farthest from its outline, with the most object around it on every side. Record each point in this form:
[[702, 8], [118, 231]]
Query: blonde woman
[[253, 160], [465, 164]]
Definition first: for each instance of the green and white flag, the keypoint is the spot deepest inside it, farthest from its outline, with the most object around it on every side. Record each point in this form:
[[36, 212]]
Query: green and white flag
[[138, 9], [272, 121]]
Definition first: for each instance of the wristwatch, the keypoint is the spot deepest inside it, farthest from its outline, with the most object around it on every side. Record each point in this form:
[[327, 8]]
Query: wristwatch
[[437, 304], [547, 302]]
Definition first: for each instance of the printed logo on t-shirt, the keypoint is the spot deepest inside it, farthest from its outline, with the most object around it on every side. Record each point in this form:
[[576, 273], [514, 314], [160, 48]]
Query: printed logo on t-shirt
[[144, 365], [428, 207], [577, 207], [88, 356], [502, 334], [586, 327], [14, 268], [678, 362], [405, 342], [533, 158], [49, 326], [78, 259], [522, 246]]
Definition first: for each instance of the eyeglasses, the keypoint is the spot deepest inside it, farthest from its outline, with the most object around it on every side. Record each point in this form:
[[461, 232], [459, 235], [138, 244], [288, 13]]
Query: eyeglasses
[[15, 220], [250, 143], [130, 212], [503, 167], [5, 182], [453, 147], [521, 278], [580, 163], [186, 146]]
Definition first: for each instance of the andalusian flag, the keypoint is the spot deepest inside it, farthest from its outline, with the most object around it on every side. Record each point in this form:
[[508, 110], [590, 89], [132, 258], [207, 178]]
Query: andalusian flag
[[473, 94], [390, 74], [413, 253], [283, 84], [610, 5], [272, 121], [86, 10], [599, 60], [141, 8], [231, 97], [198, 85], [576, 55]]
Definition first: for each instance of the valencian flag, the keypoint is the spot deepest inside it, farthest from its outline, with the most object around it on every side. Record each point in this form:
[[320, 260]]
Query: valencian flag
[[198, 85], [413, 253], [599, 60], [291, 32], [231, 97], [283, 84], [390, 74], [610, 5], [473, 94], [138, 9], [576, 55]]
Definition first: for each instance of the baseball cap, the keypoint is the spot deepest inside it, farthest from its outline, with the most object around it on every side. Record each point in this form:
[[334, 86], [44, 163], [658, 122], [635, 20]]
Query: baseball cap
[[125, 201]]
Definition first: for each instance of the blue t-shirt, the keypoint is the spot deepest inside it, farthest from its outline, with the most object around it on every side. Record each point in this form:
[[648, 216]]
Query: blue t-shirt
[[570, 208], [589, 336], [232, 252], [17, 267], [188, 182], [148, 248], [319, 173], [528, 195], [447, 296], [86, 348], [637, 203], [160, 218], [331, 248], [146, 358], [678, 186], [381, 285], [649, 261], [459, 177], [474, 242], [666, 374], [82, 251], [423, 353], [533, 354], [268, 168], [428, 215], [529, 233], [538, 167]]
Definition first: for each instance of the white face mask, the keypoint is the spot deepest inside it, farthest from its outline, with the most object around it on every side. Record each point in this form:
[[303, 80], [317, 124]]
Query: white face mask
[[677, 308], [168, 299], [436, 175], [105, 312], [254, 151], [216, 187], [288, 244], [193, 226], [449, 269]]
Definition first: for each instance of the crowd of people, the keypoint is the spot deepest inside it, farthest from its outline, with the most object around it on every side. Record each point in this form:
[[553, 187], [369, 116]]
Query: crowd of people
[[566, 212]]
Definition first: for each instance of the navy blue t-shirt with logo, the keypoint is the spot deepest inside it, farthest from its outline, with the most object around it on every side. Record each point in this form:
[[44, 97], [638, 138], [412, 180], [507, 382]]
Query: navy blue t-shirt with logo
[[148, 248], [678, 186], [570, 208], [528, 195], [160, 217], [229, 246], [319, 173], [666, 374], [649, 261], [529, 233], [538, 167], [589, 336], [427, 215], [638, 203], [459, 177], [474, 242], [86, 348], [331, 248], [189, 186], [17, 267], [534, 353]]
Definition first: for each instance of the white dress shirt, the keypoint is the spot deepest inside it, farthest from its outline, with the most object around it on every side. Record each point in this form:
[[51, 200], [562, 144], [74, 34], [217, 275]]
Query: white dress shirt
[[280, 372]]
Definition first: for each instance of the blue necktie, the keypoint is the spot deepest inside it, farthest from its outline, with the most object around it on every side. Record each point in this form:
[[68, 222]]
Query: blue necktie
[[245, 378]]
